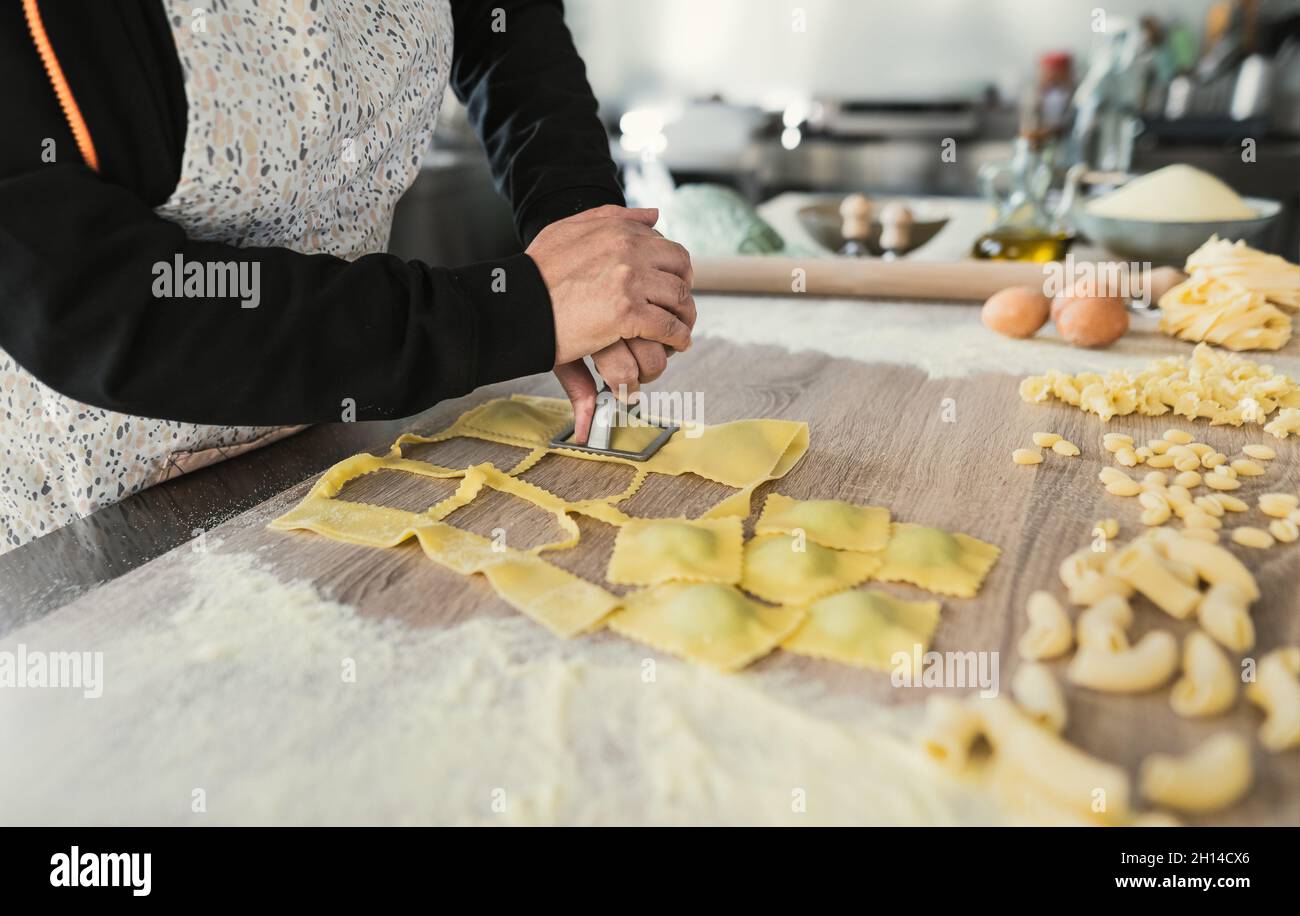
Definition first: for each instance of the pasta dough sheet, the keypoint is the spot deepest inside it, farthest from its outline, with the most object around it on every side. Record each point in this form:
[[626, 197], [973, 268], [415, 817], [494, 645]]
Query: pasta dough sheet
[[709, 623], [685, 550], [740, 454], [949, 564], [864, 628], [827, 522], [781, 569]]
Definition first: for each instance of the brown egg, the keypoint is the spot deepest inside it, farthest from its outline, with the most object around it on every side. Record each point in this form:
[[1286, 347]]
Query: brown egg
[[1091, 322], [1018, 311]]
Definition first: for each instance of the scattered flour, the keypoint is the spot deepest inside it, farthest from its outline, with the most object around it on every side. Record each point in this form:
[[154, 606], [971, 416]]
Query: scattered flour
[[942, 339], [230, 681]]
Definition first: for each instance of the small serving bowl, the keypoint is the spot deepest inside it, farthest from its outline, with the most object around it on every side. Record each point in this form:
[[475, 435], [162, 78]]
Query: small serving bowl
[[822, 221]]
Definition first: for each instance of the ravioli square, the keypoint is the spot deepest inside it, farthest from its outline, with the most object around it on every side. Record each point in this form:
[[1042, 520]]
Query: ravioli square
[[652, 551], [788, 570], [949, 564], [828, 522], [864, 628], [705, 622], [742, 453], [527, 422]]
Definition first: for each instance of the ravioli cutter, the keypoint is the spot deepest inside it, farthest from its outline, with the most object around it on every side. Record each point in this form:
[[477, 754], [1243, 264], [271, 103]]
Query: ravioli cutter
[[603, 423]]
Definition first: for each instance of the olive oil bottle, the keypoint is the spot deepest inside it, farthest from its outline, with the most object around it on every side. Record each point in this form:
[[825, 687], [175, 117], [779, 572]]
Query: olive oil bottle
[[1023, 229], [1022, 243]]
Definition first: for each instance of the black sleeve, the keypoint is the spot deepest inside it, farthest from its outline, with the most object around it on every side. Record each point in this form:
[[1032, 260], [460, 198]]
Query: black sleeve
[[77, 277], [525, 88], [78, 255]]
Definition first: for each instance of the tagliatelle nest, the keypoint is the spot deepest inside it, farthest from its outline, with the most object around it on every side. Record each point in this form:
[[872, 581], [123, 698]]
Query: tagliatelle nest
[[1237, 263], [1234, 297], [1211, 310]]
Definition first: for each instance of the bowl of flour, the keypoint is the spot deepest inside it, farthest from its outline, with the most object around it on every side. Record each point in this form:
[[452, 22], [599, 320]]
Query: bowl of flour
[[1165, 215]]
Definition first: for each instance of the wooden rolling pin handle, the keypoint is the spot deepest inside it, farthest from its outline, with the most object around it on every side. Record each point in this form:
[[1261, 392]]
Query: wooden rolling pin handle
[[971, 281]]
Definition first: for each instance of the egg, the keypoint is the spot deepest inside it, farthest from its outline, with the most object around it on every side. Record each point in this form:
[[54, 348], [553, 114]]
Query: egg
[[1018, 311], [1091, 322]]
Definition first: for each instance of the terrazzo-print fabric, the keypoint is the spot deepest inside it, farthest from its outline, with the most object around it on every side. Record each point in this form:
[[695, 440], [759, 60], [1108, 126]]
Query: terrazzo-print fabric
[[307, 121]]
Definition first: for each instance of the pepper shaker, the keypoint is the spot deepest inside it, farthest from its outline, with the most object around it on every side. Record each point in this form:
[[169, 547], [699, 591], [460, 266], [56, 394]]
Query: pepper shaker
[[855, 224]]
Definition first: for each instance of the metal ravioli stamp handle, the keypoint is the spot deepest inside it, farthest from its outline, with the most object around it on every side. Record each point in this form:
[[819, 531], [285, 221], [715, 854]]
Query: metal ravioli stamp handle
[[609, 414]]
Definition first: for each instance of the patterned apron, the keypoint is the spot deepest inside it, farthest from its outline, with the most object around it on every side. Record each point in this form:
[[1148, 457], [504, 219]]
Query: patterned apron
[[307, 121]]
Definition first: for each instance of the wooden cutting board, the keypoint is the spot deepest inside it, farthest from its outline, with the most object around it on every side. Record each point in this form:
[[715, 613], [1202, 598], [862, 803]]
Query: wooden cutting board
[[878, 436]]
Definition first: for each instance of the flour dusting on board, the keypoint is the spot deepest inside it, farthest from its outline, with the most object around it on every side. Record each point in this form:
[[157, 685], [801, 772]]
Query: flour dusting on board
[[943, 340], [230, 695]]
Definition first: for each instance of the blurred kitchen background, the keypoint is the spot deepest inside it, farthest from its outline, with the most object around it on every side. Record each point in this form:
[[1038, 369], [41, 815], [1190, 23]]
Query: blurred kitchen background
[[837, 96]]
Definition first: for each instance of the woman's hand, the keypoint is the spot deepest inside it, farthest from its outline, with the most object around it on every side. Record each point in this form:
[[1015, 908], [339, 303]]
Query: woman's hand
[[619, 292]]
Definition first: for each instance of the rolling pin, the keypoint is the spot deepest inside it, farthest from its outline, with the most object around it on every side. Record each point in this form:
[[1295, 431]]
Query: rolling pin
[[873, 278]]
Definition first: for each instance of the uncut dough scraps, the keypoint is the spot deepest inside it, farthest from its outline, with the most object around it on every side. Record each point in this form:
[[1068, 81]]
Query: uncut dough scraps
[[865, 628], [827, 522], [661, 550], [937, 561], [740, 454], [782, 569], [705, 622]]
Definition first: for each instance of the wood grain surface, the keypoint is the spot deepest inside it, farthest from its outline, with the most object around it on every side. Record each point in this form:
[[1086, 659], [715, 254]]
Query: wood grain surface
[[879, 436]]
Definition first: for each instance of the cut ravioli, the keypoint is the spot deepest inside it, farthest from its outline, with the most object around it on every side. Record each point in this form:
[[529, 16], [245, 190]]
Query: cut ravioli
[[827, 522], [790, 570], [949, 564], [710, 623], [521, 421], [676, 549], [864, 628]]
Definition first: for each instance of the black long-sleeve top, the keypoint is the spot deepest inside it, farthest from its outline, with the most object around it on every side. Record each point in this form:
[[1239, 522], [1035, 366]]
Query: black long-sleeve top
[[76, 246]]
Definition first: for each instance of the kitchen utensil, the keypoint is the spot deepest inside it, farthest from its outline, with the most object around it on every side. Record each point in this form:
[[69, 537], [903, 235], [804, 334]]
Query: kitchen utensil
[[610, 414], [971, 280]]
